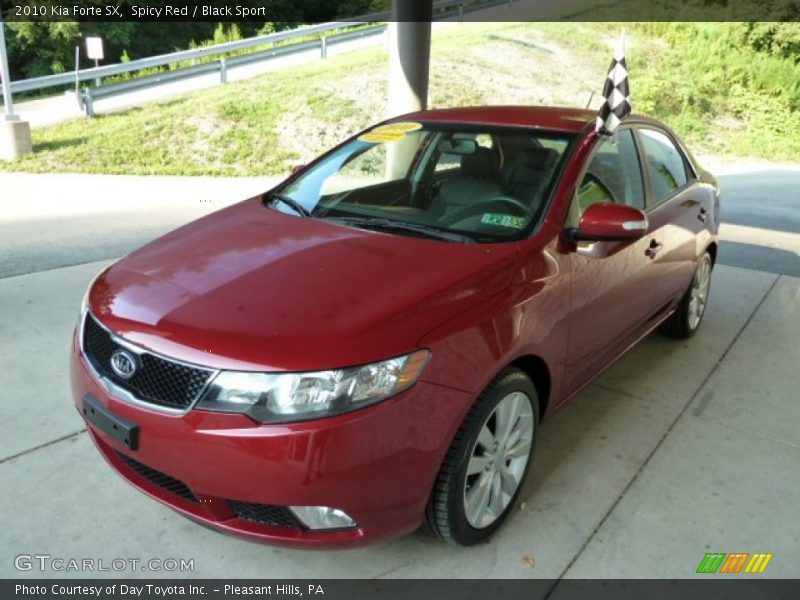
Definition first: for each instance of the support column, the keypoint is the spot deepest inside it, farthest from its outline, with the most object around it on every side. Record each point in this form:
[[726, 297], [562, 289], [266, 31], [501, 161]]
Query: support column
[[409, 55], [409, 66]]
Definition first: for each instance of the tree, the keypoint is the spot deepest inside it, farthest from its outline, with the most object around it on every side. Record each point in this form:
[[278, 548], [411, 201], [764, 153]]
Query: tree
[[37, 48]]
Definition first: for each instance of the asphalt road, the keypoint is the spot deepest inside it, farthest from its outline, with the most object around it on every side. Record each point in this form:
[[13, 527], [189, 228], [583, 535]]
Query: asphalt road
[[767, 202], [769, 199], [52, 221]]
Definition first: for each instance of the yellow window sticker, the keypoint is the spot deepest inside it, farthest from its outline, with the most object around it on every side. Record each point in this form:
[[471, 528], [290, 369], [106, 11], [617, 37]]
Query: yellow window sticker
[[402, 126], [382, 137], [391, 132]]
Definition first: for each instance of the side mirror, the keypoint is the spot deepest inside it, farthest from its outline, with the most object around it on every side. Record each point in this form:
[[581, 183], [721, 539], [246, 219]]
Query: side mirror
[[607, 221], [297, 168]]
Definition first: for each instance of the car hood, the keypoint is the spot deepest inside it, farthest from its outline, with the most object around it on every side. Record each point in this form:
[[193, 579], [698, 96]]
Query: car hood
[[252, 288]]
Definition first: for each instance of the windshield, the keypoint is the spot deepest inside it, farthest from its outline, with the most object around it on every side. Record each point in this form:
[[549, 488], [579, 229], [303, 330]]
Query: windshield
[[475, 183]]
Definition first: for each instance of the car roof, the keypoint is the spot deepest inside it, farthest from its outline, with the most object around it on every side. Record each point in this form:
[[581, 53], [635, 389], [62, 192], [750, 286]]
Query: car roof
[[554, 118]]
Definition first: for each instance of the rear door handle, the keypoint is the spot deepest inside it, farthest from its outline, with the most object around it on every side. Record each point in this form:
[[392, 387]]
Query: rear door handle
[[655, 248]]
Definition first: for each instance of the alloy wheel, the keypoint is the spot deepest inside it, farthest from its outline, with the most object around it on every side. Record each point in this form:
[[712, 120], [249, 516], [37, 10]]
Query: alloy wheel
[[498, 460], [699, 292]]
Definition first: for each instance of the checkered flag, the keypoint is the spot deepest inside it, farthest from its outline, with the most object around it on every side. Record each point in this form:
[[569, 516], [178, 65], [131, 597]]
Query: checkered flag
[[617, 104]]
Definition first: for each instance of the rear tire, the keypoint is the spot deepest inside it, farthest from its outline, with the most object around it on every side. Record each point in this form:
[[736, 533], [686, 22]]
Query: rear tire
[[686, 319], [485, 467]]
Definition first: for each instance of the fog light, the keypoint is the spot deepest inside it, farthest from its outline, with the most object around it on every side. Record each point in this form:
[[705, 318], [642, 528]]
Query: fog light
[[322, 517]]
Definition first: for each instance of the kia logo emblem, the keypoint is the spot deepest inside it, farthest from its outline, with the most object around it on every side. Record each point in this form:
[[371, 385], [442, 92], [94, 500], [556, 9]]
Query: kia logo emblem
[[123, 363]]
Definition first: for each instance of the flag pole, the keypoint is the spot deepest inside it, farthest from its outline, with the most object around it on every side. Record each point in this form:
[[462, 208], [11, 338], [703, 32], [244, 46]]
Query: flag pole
[[621, 52], [616, 93]]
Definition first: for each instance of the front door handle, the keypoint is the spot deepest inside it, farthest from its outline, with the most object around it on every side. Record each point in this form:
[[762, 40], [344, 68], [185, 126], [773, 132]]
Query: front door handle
[[654, 248]]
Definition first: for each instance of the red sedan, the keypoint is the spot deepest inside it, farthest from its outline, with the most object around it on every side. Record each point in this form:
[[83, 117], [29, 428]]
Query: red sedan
[[372, 344]]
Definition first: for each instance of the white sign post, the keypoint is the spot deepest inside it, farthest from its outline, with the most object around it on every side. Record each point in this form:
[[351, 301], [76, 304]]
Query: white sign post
[[94, 50]]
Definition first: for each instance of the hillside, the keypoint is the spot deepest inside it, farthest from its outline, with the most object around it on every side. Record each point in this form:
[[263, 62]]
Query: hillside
[[724, 97]]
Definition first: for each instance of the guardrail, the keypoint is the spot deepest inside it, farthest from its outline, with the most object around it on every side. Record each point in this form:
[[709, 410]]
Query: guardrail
[[445, 8], [60, 79], [221, 66]]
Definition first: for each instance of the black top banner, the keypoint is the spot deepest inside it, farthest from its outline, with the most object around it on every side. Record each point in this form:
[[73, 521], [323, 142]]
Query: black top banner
[[281, 11]]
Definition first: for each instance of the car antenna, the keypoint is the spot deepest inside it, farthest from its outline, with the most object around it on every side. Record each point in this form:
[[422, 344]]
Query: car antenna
[[589, 103]]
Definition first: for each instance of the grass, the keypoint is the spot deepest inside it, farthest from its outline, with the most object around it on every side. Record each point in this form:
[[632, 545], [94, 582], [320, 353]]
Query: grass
[[723, 98]]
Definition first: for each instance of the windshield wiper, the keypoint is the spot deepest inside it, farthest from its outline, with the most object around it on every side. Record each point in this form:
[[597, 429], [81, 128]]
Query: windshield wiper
[[389, 225], [290, 202]]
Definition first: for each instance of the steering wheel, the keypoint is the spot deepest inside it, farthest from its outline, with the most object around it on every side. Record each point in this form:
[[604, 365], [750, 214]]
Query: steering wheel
[[526, 210]]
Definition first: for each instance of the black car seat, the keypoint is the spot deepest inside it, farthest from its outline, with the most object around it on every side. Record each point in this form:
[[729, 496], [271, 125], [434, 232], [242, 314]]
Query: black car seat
[[477, 181], [526, 175]]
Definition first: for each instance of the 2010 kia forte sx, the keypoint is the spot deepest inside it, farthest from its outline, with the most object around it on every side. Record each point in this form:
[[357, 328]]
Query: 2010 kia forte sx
[[373, 343]]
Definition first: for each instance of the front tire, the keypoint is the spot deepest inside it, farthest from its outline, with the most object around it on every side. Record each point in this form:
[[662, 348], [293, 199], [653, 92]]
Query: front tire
[[686, 319], [486, 465]]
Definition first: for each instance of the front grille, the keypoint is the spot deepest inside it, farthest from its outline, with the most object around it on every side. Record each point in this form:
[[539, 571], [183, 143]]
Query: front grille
[[264, 514], [156, 380], [162, 480]]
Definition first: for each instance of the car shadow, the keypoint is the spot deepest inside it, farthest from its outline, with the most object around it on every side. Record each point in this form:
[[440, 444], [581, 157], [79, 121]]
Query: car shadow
[[759, 258]]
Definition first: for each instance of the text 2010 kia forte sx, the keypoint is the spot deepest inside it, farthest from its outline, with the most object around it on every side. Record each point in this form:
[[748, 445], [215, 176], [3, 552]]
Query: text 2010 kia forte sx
[[372, 344]]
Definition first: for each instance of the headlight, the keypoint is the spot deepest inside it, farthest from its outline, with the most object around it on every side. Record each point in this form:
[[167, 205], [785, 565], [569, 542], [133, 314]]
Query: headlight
[[283, 397]]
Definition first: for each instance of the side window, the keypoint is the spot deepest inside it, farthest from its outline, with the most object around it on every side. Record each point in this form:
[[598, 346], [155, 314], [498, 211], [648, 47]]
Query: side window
[[665, 163], [614, 175]]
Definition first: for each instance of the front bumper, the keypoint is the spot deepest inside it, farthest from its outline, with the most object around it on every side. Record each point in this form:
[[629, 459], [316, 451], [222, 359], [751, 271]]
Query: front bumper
[[377, 464]]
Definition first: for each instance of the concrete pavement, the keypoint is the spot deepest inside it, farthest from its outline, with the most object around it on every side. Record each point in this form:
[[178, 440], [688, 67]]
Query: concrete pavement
[[639, 476], [724, 477], [679, 449]]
